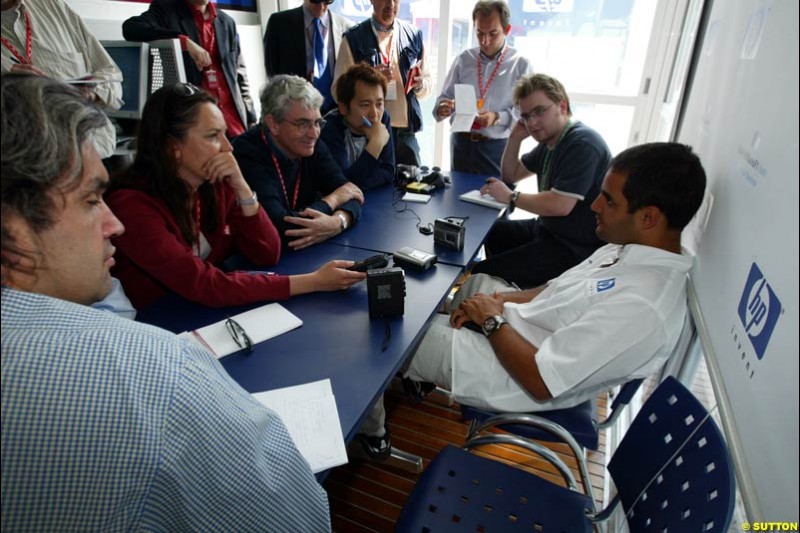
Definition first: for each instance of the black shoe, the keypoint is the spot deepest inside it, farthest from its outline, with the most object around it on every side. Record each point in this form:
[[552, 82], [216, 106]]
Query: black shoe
[[377, 448], [416, 391]]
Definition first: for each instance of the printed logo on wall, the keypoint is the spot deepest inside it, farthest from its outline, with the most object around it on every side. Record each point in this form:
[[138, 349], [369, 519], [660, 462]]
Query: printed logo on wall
[[759, 310]]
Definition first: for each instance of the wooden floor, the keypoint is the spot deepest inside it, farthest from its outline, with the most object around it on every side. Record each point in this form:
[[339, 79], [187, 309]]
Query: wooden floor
[[368, 497]]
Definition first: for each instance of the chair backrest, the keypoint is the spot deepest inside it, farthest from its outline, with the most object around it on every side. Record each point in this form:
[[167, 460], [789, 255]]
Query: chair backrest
[[672, 469]]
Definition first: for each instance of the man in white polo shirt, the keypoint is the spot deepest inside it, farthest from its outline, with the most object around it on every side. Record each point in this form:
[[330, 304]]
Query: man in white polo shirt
[[614, 317]]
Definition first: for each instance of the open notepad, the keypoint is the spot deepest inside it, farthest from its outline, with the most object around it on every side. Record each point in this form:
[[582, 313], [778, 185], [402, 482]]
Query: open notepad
[[476, 197], [309, 413], [260, 324]]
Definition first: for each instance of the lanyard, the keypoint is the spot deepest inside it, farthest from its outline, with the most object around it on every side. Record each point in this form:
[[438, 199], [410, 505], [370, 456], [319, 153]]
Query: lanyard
[[28, 38], [481, 89], [549, 153], [387, 58], [293, 205], [197, 221]]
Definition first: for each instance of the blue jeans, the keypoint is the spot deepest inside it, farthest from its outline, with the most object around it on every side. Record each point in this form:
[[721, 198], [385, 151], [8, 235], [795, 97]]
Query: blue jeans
[[481, 157]]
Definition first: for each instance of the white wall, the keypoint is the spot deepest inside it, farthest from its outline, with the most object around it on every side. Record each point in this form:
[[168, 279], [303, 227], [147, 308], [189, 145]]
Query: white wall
[[742, 118], [105, 19]]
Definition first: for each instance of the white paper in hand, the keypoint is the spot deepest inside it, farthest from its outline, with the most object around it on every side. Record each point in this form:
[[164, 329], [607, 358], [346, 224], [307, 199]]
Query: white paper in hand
[[466, 108]]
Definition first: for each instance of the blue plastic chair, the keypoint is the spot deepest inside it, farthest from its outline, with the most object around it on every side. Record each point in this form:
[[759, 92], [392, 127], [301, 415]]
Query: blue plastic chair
[[672, 471], [580, 421]]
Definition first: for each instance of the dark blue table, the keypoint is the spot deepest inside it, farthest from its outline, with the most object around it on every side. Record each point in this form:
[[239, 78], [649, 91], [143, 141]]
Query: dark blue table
[[338, 340], [382, 229]]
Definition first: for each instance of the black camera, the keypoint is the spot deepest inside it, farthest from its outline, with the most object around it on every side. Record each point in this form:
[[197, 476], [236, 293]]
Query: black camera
[[386, 291], [405, 174], [449, 232]]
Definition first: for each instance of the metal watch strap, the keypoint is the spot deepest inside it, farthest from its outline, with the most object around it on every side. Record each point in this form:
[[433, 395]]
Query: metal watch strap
[[492, 324], [248, 201], [344, 220]]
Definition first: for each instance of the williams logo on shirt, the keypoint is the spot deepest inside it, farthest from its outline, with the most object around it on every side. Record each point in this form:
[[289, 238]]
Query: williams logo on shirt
[[759, 310], [606, 284]]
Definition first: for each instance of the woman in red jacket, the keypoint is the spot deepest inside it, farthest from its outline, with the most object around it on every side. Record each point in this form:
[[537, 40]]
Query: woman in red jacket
[[186, 208]]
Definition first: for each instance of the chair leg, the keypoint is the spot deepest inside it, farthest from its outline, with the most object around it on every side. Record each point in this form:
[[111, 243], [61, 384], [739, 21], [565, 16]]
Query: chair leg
[[472, 429], [405, 461], [397, 459]]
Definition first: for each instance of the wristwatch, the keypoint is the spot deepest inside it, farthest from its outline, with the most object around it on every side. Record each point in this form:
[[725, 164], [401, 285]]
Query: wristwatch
[[247, 201], [344, 220], [492, 324], [512, 201]]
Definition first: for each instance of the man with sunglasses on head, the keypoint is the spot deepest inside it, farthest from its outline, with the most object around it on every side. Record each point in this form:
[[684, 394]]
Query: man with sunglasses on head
[[212, 56], [304, 41], [297, 181], [396, 49], [491, 68], [569, 162]]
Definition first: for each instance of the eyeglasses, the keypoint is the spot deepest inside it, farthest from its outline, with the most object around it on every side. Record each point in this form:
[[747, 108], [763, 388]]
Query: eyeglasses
[[240, 336], [327, 2], [305, 124], [185, 89], [537, 112]]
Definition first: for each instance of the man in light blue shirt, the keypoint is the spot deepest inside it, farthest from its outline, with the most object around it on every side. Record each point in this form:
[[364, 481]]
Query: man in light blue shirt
[[492, 68], [108, 424]]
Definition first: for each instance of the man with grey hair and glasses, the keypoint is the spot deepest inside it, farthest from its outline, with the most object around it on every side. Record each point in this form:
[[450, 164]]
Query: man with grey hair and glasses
[[109, 424], [297, 181]]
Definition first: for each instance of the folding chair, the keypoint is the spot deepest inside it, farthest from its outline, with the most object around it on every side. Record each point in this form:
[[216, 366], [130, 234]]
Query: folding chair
[[672, 472]]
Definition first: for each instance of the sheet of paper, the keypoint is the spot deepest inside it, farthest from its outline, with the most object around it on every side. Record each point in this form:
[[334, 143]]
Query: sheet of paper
[[475, 197], [310, 414], [416, 197], [260, 324], [466, 108]]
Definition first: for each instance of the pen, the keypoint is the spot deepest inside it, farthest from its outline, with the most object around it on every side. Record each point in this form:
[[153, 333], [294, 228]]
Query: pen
[[366, 121]]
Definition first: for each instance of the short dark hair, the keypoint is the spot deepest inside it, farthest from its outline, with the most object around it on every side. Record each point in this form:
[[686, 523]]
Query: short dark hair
[[345, 88], [666, 175], [168, 114], [485, 8], [45, 125]]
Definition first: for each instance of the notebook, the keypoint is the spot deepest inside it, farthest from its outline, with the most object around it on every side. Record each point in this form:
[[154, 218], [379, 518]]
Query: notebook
[[416, 197], [475, 197], [260, 324]]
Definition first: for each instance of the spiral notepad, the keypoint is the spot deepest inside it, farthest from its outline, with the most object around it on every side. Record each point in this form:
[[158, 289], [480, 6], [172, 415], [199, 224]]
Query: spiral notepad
[[261, 324]]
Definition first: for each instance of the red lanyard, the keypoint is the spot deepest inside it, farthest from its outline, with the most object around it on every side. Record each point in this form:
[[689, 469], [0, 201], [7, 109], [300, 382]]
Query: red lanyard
[[197, 221], [387, 58], [481, 89], [293, 205], [28, 38]]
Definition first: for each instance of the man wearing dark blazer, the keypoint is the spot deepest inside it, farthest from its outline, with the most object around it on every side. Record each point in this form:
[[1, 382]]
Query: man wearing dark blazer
[[289, 44], [212, 56]]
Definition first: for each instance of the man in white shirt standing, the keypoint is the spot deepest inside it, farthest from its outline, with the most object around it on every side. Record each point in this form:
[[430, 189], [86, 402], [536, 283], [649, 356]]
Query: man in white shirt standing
[[614, 317], [492, 68]]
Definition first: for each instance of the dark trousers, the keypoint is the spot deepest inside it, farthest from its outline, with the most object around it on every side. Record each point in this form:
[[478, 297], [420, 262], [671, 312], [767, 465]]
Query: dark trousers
[[522, 252], [406, 147], [481, 157]]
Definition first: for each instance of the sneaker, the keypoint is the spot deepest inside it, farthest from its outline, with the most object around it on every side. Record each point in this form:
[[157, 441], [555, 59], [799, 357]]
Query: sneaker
[[416, 391], [377, 448]]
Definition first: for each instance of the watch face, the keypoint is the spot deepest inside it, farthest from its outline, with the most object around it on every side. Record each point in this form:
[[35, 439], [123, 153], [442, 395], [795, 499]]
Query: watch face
[[489, 325]]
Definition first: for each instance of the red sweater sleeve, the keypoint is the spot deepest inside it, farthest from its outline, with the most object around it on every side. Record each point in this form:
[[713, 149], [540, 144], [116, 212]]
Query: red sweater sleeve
[[153, 257]]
